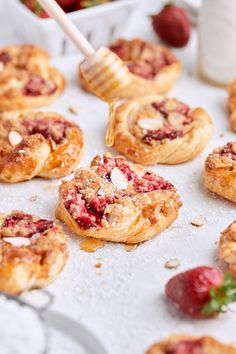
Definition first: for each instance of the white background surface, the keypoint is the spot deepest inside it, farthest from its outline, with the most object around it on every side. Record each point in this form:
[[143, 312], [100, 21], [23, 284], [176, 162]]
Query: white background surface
[[123, 302]]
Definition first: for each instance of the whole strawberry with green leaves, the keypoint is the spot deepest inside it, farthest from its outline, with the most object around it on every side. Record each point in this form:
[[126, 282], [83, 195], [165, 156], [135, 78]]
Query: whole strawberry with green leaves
[[201, 292]]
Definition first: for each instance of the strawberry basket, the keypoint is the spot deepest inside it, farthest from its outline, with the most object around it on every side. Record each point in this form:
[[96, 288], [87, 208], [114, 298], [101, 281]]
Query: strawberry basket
[[100, 24]]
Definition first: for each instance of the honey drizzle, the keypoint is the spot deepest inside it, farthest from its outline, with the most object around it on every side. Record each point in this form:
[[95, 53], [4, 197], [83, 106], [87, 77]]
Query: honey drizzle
[[130, 247], [91, 245]]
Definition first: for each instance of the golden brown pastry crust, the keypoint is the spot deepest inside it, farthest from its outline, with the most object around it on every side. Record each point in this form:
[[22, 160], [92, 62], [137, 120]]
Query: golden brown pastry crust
[[26, 79], [220, 171], [26, 267], [136, 53], [182, 139], [209, 345], [227, 249], [232, 104], [51, 146], [92, 205]]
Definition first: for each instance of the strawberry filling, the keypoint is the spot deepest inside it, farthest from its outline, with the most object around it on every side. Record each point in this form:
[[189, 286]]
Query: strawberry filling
[[90, 214], [86, 214], [5, 58], [147, 183], [163, 108], [159, 135], [187, 347], [37, 86], [20, 224], [229, 150], [147, 68], [54, 129], [168, 131]]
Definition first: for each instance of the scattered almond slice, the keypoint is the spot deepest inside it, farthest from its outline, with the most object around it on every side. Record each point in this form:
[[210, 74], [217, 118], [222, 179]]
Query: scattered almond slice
[[74, 109], [151, 123], [14, 138], [33, 199], [172, 263], [175, 118], [118, 179], [17, 241], [198, 221]]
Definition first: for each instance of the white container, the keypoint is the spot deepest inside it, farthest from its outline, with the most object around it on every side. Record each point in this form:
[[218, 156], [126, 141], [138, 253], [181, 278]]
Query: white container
[[100, 24], [217, 41]]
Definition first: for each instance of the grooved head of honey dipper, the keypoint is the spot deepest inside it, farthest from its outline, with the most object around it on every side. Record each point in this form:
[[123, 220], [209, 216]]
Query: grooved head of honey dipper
[[105, 73]]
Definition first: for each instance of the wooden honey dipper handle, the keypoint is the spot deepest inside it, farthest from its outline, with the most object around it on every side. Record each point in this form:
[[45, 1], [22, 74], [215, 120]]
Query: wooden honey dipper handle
[[56, 12]]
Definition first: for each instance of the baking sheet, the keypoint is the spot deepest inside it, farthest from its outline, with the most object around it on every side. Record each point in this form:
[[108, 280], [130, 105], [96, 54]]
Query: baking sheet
[[123, 302]]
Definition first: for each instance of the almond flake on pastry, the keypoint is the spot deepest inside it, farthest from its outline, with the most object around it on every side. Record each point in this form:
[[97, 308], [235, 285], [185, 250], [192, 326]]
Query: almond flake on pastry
[[33, 252], [156, 129], [139, 205], [154, 68], [220, 171], [38, 144]]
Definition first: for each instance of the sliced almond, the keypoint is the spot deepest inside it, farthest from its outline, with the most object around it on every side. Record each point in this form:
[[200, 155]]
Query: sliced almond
[[151, 123], [74, 109], [14, 138], [175, 118], [17, 241], [172, 263], [1, 66], [170, 105], [118, 178], [198, 221]]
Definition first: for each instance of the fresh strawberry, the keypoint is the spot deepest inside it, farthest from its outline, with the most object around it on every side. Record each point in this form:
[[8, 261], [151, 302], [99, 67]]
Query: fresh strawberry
[[66, 3], [172, 25], [34, 6], [202, 292], [84, 4]]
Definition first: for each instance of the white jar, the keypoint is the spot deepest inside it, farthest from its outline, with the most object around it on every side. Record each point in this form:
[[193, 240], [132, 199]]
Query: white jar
[[217, 41]]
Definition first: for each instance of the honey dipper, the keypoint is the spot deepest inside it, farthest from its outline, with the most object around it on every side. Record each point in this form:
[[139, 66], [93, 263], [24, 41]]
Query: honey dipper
[[104, 71]]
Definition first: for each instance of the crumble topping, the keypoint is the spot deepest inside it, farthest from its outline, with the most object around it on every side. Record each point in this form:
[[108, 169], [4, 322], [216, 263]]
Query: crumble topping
[[19, 224]]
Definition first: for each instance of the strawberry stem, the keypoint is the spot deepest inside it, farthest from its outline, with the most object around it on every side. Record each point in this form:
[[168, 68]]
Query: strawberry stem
[[221, 297]]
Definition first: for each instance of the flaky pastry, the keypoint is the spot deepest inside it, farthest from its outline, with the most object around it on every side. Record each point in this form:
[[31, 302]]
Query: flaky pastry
[[26, 78], [154, 68], [220, 171], [227, 247], [38, 144], [188, 344], [33, 252], [156, 129], [232, 104], [117, 201]]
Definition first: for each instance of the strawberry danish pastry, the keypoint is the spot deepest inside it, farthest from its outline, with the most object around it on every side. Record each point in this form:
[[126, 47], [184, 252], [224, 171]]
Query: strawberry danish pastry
[[227, 247], [26, 78], [188, 344], [117, 201], [154, 68], [156, 129], [33, 252], [38, 144], [232, 104], [220, 171]]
